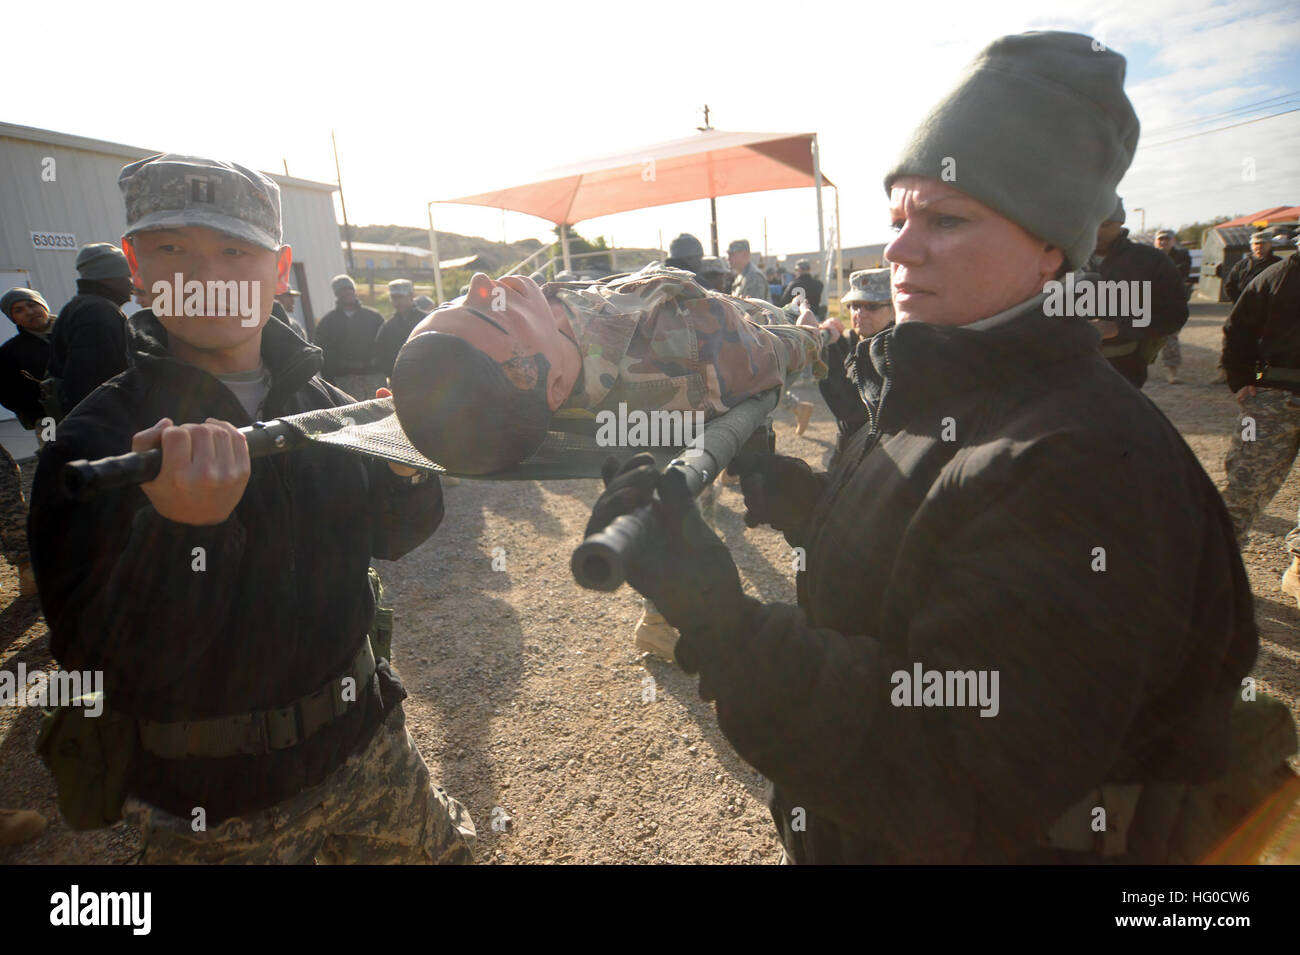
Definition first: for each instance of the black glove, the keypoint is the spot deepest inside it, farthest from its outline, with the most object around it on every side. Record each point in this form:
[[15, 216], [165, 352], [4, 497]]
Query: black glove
[[686, 570], [779, 491]]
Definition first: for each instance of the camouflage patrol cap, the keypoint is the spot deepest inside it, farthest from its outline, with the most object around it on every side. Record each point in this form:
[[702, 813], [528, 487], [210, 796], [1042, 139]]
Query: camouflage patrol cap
[[401, 287], [868, 285], [712, 265], [739, 245], [170, 191]]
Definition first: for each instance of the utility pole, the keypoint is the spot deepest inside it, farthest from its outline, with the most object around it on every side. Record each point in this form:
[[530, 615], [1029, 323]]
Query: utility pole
[[713, 202], [347, 230]]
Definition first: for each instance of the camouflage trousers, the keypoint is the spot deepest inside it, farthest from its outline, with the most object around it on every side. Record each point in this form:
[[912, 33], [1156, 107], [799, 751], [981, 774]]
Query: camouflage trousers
[[1171, 354], [13, 510], [378, 807], [1256, 468]]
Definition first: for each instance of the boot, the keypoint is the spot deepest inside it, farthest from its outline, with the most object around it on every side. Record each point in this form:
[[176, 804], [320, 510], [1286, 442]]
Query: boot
[[26, 580], [802, 412], [655, 635], [1291, 580], [19, 825], [1171, 375]]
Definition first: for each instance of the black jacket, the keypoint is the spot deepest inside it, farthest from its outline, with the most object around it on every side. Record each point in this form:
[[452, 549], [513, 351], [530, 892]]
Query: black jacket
[[348, 341], [284, 601], [980, 553], [812, 291], [88, 345], [30, 353], [840, 391], [1263, 328], [1182, 260], [1128, 261], [1243, 272], [391, 338]]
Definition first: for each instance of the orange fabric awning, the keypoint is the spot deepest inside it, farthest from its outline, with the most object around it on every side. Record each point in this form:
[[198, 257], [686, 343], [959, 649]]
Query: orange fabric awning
[[707, 165]]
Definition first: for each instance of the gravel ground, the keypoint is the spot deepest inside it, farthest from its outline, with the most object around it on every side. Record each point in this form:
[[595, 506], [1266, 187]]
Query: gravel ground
[[531, 705]]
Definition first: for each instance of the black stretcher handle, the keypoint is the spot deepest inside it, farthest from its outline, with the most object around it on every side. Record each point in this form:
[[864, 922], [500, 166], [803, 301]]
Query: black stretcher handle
[[84, 480], [600, 561]]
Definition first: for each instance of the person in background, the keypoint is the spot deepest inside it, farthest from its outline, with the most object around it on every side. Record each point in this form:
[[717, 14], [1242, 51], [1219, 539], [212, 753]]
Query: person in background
[[88, 343], [1247, 267], [1171, 354], [392, 336], [812, 287], [346, 334], [871, 310], [749, 281], [24, 358], [1129, 348]]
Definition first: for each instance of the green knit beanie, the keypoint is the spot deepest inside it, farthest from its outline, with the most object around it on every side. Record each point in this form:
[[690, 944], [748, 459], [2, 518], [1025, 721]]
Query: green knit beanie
[[1040, 130]]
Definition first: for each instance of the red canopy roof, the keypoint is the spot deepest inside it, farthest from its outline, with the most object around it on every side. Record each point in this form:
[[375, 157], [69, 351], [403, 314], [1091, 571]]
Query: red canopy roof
[[706, 165], [1275, 214]]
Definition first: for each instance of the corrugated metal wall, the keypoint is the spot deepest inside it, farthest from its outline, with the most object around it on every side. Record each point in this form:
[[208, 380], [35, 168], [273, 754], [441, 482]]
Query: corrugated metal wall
[[84, 200]]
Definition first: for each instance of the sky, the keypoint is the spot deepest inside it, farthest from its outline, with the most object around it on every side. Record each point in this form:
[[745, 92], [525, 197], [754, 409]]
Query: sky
[[434, 100]]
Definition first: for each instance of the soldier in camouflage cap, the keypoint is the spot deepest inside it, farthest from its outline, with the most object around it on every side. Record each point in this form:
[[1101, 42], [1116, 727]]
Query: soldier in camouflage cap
[[390, 338], [870, 304], [244, 649]]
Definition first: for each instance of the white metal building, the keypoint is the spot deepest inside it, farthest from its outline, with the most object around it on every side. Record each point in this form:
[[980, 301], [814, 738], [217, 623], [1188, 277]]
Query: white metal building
[[59, 192]]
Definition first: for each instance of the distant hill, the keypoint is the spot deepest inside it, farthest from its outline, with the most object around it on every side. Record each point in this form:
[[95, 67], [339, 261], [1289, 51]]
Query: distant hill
[[493, 256]]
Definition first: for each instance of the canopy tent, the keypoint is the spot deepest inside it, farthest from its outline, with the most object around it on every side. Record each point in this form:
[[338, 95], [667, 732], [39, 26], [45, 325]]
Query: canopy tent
[[710, 164]]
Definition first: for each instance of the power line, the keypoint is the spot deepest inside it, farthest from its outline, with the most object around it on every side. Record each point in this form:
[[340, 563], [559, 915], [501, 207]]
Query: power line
[[1259, 104], [1219, 129]]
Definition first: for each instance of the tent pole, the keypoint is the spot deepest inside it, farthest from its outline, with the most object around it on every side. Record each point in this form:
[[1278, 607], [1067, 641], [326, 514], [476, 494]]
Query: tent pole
[[433, 251], [817, 183], [564, 246], [713, 224], [839, 248]]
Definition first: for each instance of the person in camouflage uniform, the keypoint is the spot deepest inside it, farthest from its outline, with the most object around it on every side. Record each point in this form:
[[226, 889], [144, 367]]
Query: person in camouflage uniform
[[1171, 353], [1261, 360], [654, 340], [253, 680], [749, 281]]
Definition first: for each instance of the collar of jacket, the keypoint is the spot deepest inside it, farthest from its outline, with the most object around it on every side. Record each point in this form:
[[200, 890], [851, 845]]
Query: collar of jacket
[[291, 361], [927, 365]]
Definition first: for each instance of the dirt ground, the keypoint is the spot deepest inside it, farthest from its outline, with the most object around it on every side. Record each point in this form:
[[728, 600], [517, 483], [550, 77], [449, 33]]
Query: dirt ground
[[531, 705]]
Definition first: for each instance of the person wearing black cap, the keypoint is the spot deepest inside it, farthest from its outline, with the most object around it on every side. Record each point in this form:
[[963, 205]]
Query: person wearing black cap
[[88, 343], [812, 288], [686, 253], [1023, 608], [24, 358]]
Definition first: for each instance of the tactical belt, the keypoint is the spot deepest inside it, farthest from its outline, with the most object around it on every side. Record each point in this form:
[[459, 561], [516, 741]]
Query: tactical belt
[[1117, 351], [1073, 831], [265, 731]]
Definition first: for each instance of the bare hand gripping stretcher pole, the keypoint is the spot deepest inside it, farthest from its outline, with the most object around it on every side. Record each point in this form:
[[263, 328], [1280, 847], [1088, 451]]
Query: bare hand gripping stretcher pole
[[600, 561], [569, 451]]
